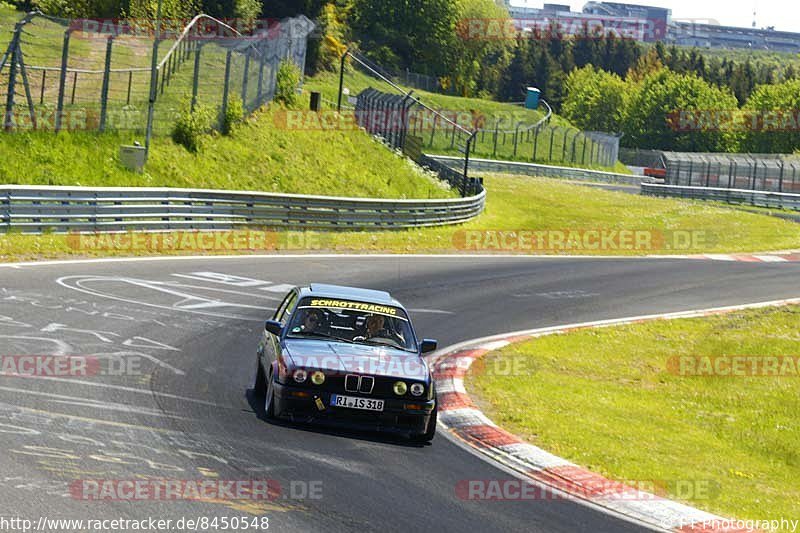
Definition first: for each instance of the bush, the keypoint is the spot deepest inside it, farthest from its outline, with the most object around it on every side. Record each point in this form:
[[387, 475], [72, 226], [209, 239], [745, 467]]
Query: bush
[[191, 126], [234, 114], [288, 79]]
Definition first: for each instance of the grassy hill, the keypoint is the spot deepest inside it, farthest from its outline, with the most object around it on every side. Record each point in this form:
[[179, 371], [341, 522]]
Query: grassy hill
[[258, 155], [478, 113]]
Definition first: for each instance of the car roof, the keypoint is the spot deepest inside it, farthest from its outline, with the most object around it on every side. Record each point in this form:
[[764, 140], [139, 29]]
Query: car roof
[[323, 290]]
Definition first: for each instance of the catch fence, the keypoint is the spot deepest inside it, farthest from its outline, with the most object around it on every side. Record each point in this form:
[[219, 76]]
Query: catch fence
[[100, 75]]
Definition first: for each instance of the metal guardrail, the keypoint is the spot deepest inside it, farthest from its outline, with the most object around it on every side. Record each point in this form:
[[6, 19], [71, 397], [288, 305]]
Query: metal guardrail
[[532, 169], [32, 209], [731, 196]]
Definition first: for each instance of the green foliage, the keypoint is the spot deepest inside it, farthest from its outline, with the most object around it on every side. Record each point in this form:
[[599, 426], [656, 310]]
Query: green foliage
[[771, 118], [234, 114], [173, 12], [595, 99], [81, 8], [192, 126], [654, 104], [288, 80]]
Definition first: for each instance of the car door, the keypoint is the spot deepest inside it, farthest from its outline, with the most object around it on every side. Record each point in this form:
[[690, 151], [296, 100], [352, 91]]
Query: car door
[[272, 342], [266, 346]]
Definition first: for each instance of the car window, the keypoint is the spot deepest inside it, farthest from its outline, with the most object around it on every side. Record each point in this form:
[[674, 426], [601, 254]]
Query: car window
[[281, 308], [354, 322], [290, 301]]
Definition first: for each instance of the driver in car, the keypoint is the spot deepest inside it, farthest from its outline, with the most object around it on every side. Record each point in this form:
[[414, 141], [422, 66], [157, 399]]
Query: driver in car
[[312, 321]]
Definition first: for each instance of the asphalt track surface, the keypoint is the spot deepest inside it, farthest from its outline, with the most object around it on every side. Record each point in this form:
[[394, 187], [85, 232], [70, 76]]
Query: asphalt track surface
[[186, 412]]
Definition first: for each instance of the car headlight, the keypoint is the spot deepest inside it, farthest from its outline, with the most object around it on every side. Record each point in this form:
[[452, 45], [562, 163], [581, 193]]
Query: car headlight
[[300, 375], [400, 388], [317, 378], [417, 389]]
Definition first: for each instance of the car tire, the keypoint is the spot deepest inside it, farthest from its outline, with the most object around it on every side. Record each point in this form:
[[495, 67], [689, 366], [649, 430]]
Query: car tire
[[269, 400], [260, 385], [430, 432]]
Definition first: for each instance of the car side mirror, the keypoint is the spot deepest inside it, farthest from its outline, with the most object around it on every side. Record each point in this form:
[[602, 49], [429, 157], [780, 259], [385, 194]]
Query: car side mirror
[[429, 345], [274, 327]]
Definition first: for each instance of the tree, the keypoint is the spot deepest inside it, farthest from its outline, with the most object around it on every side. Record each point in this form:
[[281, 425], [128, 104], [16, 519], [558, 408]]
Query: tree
[[419, 34], [671, 111], [594, 99], [771, 119]]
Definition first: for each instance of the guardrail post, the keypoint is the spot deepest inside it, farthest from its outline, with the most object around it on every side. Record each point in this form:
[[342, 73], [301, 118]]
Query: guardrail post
[[62, 80], [104, 90]]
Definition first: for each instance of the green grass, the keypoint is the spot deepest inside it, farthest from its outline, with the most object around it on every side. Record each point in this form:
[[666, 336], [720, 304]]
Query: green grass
[[258, 156], [604, 399], [520, 203], [474, 113]]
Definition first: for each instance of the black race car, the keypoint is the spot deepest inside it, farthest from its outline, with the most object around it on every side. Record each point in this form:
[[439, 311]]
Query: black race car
[[348, 356]]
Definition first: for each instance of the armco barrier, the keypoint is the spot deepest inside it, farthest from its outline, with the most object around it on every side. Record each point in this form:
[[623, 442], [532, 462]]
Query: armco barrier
[[731, 196], [33, 209], [532, 169]]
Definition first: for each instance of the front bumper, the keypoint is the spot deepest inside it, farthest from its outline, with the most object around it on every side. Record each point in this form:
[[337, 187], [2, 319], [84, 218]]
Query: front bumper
[[400, 415]]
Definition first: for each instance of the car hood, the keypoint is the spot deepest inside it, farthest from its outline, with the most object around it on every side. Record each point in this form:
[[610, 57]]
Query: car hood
[[356, 358]]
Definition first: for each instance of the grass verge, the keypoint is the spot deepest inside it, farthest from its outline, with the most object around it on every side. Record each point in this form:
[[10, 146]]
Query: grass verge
[[257, 156], [514, 204], [605, 399]]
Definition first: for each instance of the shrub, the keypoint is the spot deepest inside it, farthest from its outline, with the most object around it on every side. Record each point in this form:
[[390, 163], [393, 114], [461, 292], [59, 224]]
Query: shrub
[[288, 79], [191, 126], [234, 114]]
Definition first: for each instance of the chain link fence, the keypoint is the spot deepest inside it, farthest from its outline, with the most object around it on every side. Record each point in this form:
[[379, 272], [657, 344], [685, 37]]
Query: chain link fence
[[756, 172], [400, 118], [59, 74]]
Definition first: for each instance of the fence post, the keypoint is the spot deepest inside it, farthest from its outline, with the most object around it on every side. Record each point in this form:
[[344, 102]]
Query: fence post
[[151, 103], [341, 81], [196, 76], [62, 80], [516, 134], [244, 79], [552, 137], [535, 143], [496, 126], [44, 84], [564, 148], [574, 144], [12, 78], [583, 158], [226, 86], [28, 97], [260, 91], [104, 90]]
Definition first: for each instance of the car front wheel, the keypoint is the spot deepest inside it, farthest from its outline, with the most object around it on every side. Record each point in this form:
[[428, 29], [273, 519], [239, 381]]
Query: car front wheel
[[260, 386], [269, 401]]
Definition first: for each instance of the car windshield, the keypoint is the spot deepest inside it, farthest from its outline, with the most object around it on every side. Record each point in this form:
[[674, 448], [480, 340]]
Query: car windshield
[[354, 322]]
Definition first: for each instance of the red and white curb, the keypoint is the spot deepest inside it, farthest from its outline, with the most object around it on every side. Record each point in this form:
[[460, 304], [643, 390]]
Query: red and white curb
[[467, 425], [766, 257]]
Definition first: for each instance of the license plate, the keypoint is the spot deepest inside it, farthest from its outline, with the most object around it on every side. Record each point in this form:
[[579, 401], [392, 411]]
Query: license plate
[[351, 402]]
